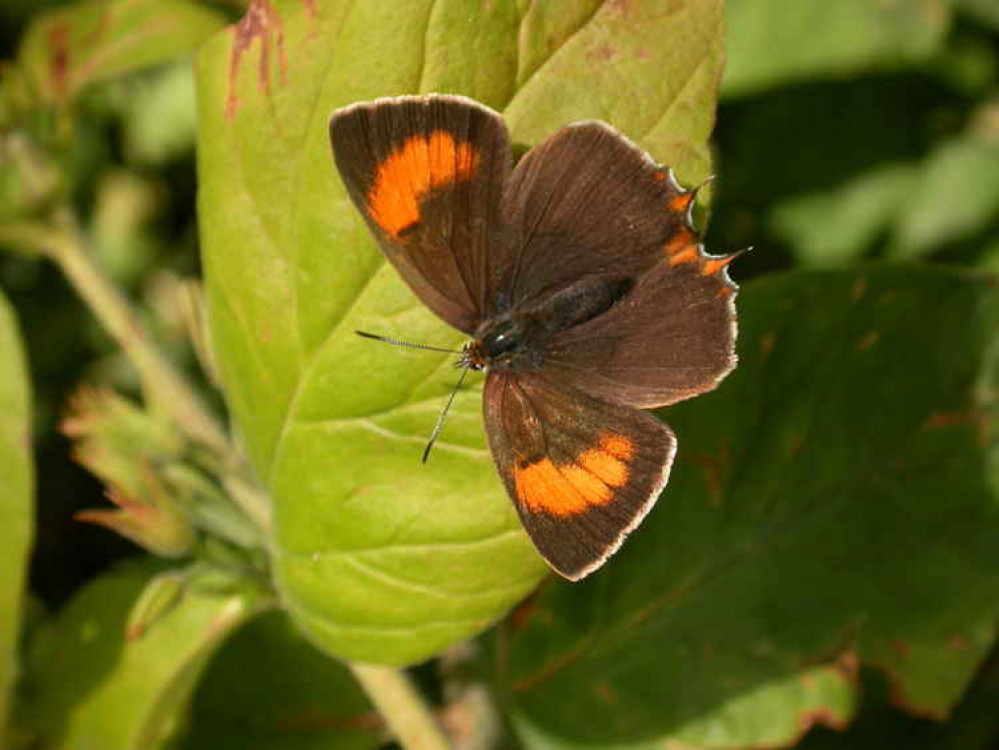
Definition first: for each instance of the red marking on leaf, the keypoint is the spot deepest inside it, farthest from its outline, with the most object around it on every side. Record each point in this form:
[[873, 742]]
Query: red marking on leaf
[[58, 39], [95, 34], [901, 649], [316, 720], [958, 642], [262, 23], [310, 9]]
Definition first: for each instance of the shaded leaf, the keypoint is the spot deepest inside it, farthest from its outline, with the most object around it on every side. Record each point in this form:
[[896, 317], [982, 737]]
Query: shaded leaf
[[774, 42], [378, 558], [67, 49], [956, 196], [841, 224], [268, 684], [87, 687], [984, 11], [972, 726], [830, 506], [16, 499]]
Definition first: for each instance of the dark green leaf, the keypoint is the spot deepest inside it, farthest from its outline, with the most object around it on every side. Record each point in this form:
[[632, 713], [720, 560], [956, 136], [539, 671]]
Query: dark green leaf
[[378, 558], [268, 684], [830, 506], [16, 499]]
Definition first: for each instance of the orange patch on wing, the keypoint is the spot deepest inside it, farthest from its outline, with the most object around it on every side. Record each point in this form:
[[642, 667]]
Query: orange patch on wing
[[411, 171], [618, 446], [715, 265], [681, 202], [679, 242], [566, 490], [689, 255]]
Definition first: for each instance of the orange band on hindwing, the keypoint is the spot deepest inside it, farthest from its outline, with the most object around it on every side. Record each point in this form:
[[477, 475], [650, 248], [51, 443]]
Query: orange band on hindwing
[[568, 489], [420, 164]]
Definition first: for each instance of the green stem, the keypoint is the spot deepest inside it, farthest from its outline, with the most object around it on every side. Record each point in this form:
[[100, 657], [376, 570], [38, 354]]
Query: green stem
[[164, 386], [402, 707]]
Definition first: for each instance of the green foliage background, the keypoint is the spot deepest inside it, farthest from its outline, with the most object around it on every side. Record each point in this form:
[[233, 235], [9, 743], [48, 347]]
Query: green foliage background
[[822, 570]]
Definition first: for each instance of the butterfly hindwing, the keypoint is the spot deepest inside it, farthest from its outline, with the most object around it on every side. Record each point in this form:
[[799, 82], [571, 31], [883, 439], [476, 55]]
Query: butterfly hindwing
[[427, 174], [670, 338], [582, 472]]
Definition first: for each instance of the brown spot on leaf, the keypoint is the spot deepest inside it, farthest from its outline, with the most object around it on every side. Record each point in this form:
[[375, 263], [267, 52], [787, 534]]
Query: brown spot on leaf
[[795, 444], [859, 289], [261, 23], [714, 469], [310, 9], [767, 344], [868, 340], [606, 693]]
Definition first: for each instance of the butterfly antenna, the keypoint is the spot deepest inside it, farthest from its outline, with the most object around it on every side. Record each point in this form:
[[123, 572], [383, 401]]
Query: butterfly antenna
[[443, 415], [408, 344]]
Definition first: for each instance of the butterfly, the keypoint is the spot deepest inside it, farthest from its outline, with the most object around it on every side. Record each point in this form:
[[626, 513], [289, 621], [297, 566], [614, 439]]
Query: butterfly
[[582, 284]]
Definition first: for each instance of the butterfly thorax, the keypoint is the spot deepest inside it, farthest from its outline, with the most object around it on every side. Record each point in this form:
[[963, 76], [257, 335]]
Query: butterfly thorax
[[515, 339]]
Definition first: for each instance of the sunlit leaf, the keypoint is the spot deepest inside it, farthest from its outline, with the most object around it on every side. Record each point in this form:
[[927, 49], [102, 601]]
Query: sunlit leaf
[[380, 558]]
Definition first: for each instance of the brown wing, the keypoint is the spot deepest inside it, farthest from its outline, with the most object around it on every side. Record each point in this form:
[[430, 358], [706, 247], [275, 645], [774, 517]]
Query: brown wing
[[586, 202], [582, 473], [427, 173]]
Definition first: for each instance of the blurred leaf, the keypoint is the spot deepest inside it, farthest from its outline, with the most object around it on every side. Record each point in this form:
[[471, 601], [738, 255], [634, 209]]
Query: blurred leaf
[[67, 49], [809, 141], [16, 499], [378, 558], [269, 684], [774, 42], [956, 196], [830, 505], [121, 226], [87, 687], [985, 11], [160, 120], [841, 224]]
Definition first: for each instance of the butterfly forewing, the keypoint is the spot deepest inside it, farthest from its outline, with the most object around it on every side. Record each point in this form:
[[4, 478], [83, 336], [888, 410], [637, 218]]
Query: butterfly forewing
[[585, 201], [427, 174]]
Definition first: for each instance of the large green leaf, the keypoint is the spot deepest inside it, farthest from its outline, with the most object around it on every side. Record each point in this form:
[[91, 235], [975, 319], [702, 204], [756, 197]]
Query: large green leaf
[[67, 49], [378, 558], [269, 688], [775, 42], [16, 496], [830, 506], [87, 687]]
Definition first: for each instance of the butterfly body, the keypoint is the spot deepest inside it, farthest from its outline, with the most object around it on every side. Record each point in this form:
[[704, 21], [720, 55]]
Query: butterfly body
[[581, 283], [515, 339]]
